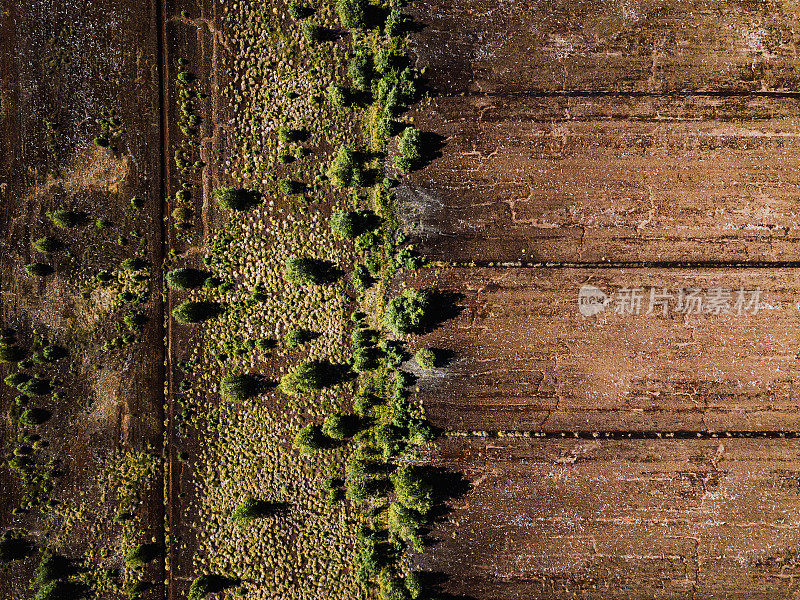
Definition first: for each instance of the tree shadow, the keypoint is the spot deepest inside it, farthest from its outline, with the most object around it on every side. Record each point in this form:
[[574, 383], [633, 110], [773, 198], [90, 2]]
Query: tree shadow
[[266, 508], [442, 306], [431, 145]]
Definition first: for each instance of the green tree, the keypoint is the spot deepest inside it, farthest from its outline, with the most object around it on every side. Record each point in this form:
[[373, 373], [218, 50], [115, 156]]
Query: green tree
[[352, 13], [47, 245], [192, 311], [141, 555], [234, 199], [407, 312], [238, 388], [413, 489], [309, 376], [185, 278], [309, 438], [426, 358]]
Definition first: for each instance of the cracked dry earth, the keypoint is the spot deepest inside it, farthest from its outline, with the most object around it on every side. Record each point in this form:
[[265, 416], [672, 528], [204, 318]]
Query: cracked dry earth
[[623, 145]]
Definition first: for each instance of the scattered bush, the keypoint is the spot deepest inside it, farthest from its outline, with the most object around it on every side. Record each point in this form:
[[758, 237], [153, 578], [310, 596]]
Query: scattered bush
[[234, 199], [309, 438], [192, 311], [65, 218], [141, 555], [238, 388], [38, 269], [185, 279], [352, 13], [47, 245], [426, 358], [406, 313]]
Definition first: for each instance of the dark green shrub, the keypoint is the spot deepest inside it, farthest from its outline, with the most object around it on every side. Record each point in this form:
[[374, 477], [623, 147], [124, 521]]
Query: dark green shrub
[[141, 555], [65, 218], [185, 279], [413, 489], [192, 311], [38, 269], [361, 278], [102, 224], [47, 245], [133, 264], [238, 388], [204, 585], [52, 353], [289, 186], [309, 438], [352, 13], [337, 95], [16, 379], [182, 214], [135, 589], [406, 313], [234, 199], [34, 416], [426, 358], [309, 376], [403, 164], [395, 23]]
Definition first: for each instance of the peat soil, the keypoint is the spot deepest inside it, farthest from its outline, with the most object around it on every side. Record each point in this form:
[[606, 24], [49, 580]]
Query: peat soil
[[63, 67]]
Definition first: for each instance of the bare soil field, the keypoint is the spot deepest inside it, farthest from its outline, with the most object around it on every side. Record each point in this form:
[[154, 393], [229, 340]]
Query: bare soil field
[[621, 520], [581, 178], [526, 359]]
